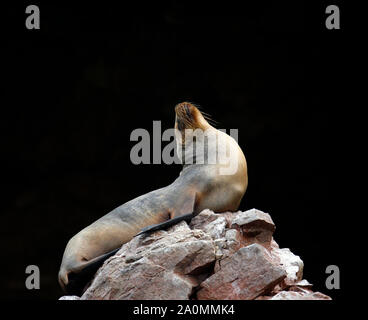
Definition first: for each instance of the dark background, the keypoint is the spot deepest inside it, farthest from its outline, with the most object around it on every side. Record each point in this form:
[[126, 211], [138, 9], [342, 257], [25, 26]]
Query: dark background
[[76, 88]]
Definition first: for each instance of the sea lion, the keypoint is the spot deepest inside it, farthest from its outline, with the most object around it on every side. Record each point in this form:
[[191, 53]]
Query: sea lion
[[201, 184]]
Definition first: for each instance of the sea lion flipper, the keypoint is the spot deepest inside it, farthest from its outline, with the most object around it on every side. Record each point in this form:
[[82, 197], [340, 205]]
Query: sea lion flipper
[[185, 205], [166, 224]]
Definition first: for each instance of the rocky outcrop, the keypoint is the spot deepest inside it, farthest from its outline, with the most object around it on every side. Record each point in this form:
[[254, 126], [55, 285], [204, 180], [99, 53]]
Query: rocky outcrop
[[215, 257], [245, 275]]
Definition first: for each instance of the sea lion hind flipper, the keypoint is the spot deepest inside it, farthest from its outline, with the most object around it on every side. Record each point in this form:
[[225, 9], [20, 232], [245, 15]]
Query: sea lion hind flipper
[[166, 224]]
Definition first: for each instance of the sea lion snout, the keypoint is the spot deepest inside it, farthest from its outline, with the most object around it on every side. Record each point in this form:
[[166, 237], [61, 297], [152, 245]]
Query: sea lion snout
[[184, 108], [71, 282], [63, 279], [188, 116], [184, 116]]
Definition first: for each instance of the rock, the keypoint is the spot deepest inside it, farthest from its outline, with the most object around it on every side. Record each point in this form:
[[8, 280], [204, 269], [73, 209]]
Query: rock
[[253, 217], [211, 223], [234, 241], [218, 256], [69, 298], [203, 219], [245, 275], [291, 263], [256, 227], [300, 291], [301, 294], [304, 283], [167, 267]]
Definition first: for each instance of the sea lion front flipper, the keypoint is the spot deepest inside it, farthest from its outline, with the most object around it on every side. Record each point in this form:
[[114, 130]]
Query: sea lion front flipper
[[166, 224], [185, 204]]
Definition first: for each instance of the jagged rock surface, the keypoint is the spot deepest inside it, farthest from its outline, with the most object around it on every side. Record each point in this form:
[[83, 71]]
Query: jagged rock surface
[[217, 257]]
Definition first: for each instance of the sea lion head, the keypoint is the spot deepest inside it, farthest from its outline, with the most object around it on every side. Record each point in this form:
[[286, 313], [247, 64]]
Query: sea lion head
[[188, 116], [191, 132]]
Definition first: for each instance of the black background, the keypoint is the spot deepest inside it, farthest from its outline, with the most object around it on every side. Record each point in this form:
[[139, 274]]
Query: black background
[[76, 88]]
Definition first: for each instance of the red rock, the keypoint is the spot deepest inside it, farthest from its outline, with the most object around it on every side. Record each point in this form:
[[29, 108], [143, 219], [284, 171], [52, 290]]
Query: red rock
[[256, 227], [202, 219], [140, 281], [225, 256], [248, 273], [163, 265]]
